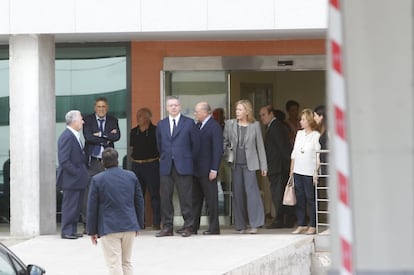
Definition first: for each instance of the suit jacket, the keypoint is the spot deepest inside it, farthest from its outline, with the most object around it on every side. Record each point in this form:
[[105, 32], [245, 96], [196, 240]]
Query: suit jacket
[[211, 149], [278, 148], [255, 152], [72, 173], [107, 140], [182, 147], [115, 203]]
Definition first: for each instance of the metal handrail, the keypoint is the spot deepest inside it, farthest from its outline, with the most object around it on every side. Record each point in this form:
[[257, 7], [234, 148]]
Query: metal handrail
[[324, 199]]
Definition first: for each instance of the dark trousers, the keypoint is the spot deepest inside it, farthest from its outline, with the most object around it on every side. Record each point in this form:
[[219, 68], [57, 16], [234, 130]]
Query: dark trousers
[[71, 206], [284, 214], [148, 175], [184, 189], [203, 188], [95, 167], [305, 196]]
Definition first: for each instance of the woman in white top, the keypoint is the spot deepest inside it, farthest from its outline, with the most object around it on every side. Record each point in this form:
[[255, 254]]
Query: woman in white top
[[304, 161]]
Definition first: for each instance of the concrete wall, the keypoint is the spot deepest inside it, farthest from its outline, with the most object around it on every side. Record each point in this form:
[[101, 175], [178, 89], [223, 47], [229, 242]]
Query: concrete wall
[[378, 58], [32, 132], [88, 16]]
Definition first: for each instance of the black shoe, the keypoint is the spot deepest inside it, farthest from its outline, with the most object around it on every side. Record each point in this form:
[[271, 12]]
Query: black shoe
[[78, 235], [180, 231], [69, 237], [211, 233], [187, 232], [164, 233]]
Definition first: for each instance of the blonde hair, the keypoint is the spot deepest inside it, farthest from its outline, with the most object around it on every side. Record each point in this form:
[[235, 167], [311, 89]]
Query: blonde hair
[[249, 109], [308, 113]]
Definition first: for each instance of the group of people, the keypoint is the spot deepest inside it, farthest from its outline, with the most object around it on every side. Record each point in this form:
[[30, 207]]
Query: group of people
[[297, 157], [108, 199], [190, 160], [178, 153]]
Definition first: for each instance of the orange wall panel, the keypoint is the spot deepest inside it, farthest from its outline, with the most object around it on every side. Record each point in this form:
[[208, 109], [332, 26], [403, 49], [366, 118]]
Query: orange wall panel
[[147, 61]]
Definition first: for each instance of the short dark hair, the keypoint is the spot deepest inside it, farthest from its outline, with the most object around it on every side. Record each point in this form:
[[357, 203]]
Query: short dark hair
[[109, 157], [279, 114], [269, 108], [291, 103], [104, 99]]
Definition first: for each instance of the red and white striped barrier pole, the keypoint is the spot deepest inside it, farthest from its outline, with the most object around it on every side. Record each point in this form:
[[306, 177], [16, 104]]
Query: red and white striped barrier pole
[[340, 142]]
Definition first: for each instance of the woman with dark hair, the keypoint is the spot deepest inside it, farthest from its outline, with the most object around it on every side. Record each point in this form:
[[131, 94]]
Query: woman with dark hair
[[319, 115], [304, 161]]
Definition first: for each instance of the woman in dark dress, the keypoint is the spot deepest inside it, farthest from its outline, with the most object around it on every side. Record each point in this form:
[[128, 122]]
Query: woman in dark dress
[[319, 115]]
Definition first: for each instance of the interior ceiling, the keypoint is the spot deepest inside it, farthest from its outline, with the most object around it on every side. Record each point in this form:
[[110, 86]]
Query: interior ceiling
[[186, 36]]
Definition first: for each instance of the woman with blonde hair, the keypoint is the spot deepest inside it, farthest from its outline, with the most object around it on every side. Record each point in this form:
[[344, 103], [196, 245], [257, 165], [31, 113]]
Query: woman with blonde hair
[[244, 136], [304, 162]]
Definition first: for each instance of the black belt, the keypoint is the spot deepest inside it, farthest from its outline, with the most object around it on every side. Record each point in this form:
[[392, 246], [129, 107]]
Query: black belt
[[95, 158]]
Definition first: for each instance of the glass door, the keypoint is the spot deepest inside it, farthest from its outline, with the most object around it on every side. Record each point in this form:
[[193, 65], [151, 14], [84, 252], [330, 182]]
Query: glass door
[[192, 87]]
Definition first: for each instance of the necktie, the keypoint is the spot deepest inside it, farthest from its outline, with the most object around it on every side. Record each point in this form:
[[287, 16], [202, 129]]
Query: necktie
[[174, 127], [97, 148], [199, 125], [101, 121]]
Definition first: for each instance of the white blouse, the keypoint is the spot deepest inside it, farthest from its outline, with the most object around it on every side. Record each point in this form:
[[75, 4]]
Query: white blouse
[[304, 152]]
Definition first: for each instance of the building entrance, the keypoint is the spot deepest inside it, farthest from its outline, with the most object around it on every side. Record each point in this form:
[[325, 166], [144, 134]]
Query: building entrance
[[222, 82]]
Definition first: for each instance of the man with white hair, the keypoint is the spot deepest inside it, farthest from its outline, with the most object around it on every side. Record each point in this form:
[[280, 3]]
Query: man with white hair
[[72, 175]]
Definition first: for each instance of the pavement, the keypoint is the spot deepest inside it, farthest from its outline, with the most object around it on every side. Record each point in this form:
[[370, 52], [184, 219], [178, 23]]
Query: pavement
[[227, 253]]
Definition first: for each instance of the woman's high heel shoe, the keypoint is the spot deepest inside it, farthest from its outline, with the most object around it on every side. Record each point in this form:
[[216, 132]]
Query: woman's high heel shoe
[[300, 230], [311, 231]]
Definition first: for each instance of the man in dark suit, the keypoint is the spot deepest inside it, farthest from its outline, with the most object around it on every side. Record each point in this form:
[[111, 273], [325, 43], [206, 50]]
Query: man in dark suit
[[206, 166], [72, 175], [115, 212], [100, 131], [278, 149], [178, 144]]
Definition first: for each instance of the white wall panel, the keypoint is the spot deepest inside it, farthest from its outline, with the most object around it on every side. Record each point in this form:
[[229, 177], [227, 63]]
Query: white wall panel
[[94, 17], [107, 16], [240, 14], [301, 14], [41, 16], [4, 16], [177, 15]]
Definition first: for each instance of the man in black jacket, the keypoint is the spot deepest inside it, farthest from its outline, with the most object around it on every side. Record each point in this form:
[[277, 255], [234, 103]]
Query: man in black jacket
[[100, 131], [278, 149]]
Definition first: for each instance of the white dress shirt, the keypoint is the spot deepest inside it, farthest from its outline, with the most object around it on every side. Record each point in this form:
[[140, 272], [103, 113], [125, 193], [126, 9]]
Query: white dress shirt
[[177, 118]]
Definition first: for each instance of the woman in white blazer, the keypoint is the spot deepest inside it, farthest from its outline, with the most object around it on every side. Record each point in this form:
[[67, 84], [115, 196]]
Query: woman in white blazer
[[244, 136]]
